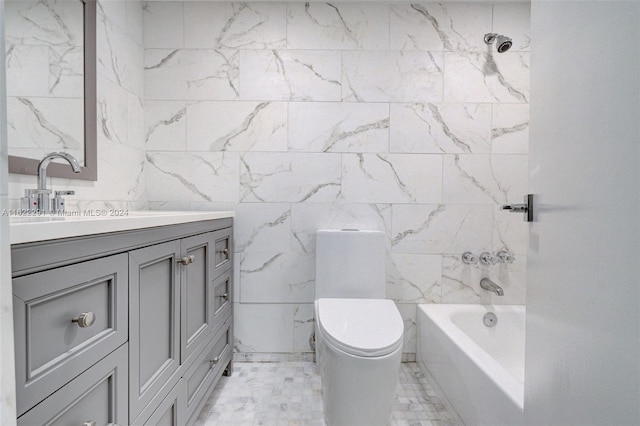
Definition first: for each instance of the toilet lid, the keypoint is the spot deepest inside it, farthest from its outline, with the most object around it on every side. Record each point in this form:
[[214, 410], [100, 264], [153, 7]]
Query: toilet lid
[[363, 327]]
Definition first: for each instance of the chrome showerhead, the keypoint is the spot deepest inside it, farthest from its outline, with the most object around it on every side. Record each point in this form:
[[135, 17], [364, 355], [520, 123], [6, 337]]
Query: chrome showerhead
[[503, 43]]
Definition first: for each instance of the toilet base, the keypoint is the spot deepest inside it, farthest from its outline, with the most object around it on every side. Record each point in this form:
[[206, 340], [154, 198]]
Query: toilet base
[[356, 391]]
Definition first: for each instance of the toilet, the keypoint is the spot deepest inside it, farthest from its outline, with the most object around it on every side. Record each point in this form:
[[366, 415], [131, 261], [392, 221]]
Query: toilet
[[358, 332]]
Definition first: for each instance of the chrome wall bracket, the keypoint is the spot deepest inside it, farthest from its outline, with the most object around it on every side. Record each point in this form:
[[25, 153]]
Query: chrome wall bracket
[[526, 208]]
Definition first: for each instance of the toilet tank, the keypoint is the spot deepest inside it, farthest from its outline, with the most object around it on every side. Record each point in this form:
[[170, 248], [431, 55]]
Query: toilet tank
[[350, 264]]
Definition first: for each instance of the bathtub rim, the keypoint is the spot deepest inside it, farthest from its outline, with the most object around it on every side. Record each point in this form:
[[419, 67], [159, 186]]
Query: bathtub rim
[[440, 316]]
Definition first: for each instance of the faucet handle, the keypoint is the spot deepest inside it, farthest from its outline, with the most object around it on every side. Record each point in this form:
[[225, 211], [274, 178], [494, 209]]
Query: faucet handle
[[505, 256], [58, 201], [59, 193], [487, 258]]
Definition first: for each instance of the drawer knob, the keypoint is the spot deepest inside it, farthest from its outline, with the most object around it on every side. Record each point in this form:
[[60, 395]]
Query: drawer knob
[[89, 423], [224, 296], [215, 360], [84, 320], [187, 259], [224, 251]]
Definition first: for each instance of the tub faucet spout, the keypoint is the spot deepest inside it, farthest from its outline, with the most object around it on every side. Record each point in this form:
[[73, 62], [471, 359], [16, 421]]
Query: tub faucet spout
[[489, 285]]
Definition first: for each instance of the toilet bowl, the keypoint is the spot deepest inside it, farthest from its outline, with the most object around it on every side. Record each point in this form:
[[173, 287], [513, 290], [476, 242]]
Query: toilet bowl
[[359, 334]]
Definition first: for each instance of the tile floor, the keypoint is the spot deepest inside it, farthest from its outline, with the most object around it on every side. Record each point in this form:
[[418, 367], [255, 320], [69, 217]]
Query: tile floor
[[288, 394]]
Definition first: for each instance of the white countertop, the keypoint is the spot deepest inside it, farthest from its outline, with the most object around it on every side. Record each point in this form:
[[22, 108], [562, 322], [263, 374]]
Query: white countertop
[[25, 229]]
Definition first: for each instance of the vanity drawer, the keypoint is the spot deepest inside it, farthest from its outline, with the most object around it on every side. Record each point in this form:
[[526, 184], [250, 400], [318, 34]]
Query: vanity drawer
[[223, 251], [51, 349], [99, 394], [207, 368], [222, 297]]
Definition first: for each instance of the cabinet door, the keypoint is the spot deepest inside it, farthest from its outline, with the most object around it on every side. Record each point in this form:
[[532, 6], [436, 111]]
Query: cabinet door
[[154, 322], [223, 251], [52, 348], [196, 293], [98, 395], [171, 411], [222, 296]]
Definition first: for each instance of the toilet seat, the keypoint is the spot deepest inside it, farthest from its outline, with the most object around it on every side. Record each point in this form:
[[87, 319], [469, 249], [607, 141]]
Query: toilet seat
[[362, 327]]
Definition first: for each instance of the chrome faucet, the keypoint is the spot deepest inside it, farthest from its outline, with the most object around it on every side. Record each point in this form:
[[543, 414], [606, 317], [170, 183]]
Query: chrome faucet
[[38, 199], [489, 285]]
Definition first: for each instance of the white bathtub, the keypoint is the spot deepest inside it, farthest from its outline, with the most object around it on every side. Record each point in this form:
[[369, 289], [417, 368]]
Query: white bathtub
[[480, 369]]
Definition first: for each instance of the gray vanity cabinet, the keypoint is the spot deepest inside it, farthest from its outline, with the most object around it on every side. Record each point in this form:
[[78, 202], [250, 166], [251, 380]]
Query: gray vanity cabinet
[[131, 327]]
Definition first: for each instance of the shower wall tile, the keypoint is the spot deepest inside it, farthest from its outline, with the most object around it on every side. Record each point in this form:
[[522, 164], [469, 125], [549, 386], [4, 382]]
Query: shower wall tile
[[439, 26], [486, 77], [226, 25], [295, 178], [303, 116], [461, 282], [194, 74], [339, 127], [510, 132], [338, 26], [290, 75], [483, 179], [390, 76], [241, 126], [392, 178], [440, 128], [440, 228]]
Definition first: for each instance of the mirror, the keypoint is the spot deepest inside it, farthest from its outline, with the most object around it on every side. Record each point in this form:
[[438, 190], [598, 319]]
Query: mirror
[[51, 84]]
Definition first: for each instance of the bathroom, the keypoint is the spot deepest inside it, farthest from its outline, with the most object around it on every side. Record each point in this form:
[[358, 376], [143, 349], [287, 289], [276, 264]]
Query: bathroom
[[336, 144]]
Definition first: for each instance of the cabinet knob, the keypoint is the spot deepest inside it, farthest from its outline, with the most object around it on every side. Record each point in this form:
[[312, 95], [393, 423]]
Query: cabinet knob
[[215, 360], [89, 423], [187, 259], [224, 296], [224, 251], [84, 320]]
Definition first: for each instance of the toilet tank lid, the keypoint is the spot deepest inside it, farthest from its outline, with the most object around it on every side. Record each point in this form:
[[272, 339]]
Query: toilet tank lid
[[363, 327]]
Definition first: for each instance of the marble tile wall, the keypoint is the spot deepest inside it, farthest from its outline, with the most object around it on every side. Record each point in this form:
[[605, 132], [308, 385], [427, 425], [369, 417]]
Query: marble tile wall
[[120, 117], [303, 116]]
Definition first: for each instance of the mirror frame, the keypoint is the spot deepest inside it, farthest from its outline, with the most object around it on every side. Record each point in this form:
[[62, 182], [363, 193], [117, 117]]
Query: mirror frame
[[89, 171]]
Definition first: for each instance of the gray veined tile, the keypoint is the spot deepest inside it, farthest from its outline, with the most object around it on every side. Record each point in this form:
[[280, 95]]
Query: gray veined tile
[[440, 128], [165, 125], [262, 227], [414, 278], [337, 26], [510, 133]]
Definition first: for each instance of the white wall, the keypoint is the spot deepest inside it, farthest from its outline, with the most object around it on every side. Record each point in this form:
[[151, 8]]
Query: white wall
[[583, 288], [389, 117]]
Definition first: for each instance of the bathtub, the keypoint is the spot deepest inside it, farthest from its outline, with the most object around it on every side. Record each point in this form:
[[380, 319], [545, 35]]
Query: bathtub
[[480, 369]]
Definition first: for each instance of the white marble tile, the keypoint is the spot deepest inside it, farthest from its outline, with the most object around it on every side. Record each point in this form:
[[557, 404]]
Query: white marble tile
[[194, 74], [66, 72], [48, 124], [461, 282], [237, 126], [135, 121], [295, 75], [338, 26], [277, 277], [510, 132], [25, 68], [339, 127], [392, 178], [392, 76], [439, 26], [48, 23], [487, 77], [165, 125], [303, 327], [438, 229], [263, 327], [262, 228], [115, 11], [134, 21], [163, 24], [496, 179], [440, 128], [414, 278], [120, 59], [307, 218], [513, 19], [231, 25], [408, 313], [192, 176], [297, 178], [510, 231], [112, 112]]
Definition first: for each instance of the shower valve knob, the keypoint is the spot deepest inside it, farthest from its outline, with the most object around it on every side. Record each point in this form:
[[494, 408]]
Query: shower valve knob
[[469, 258], [487, 258]]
